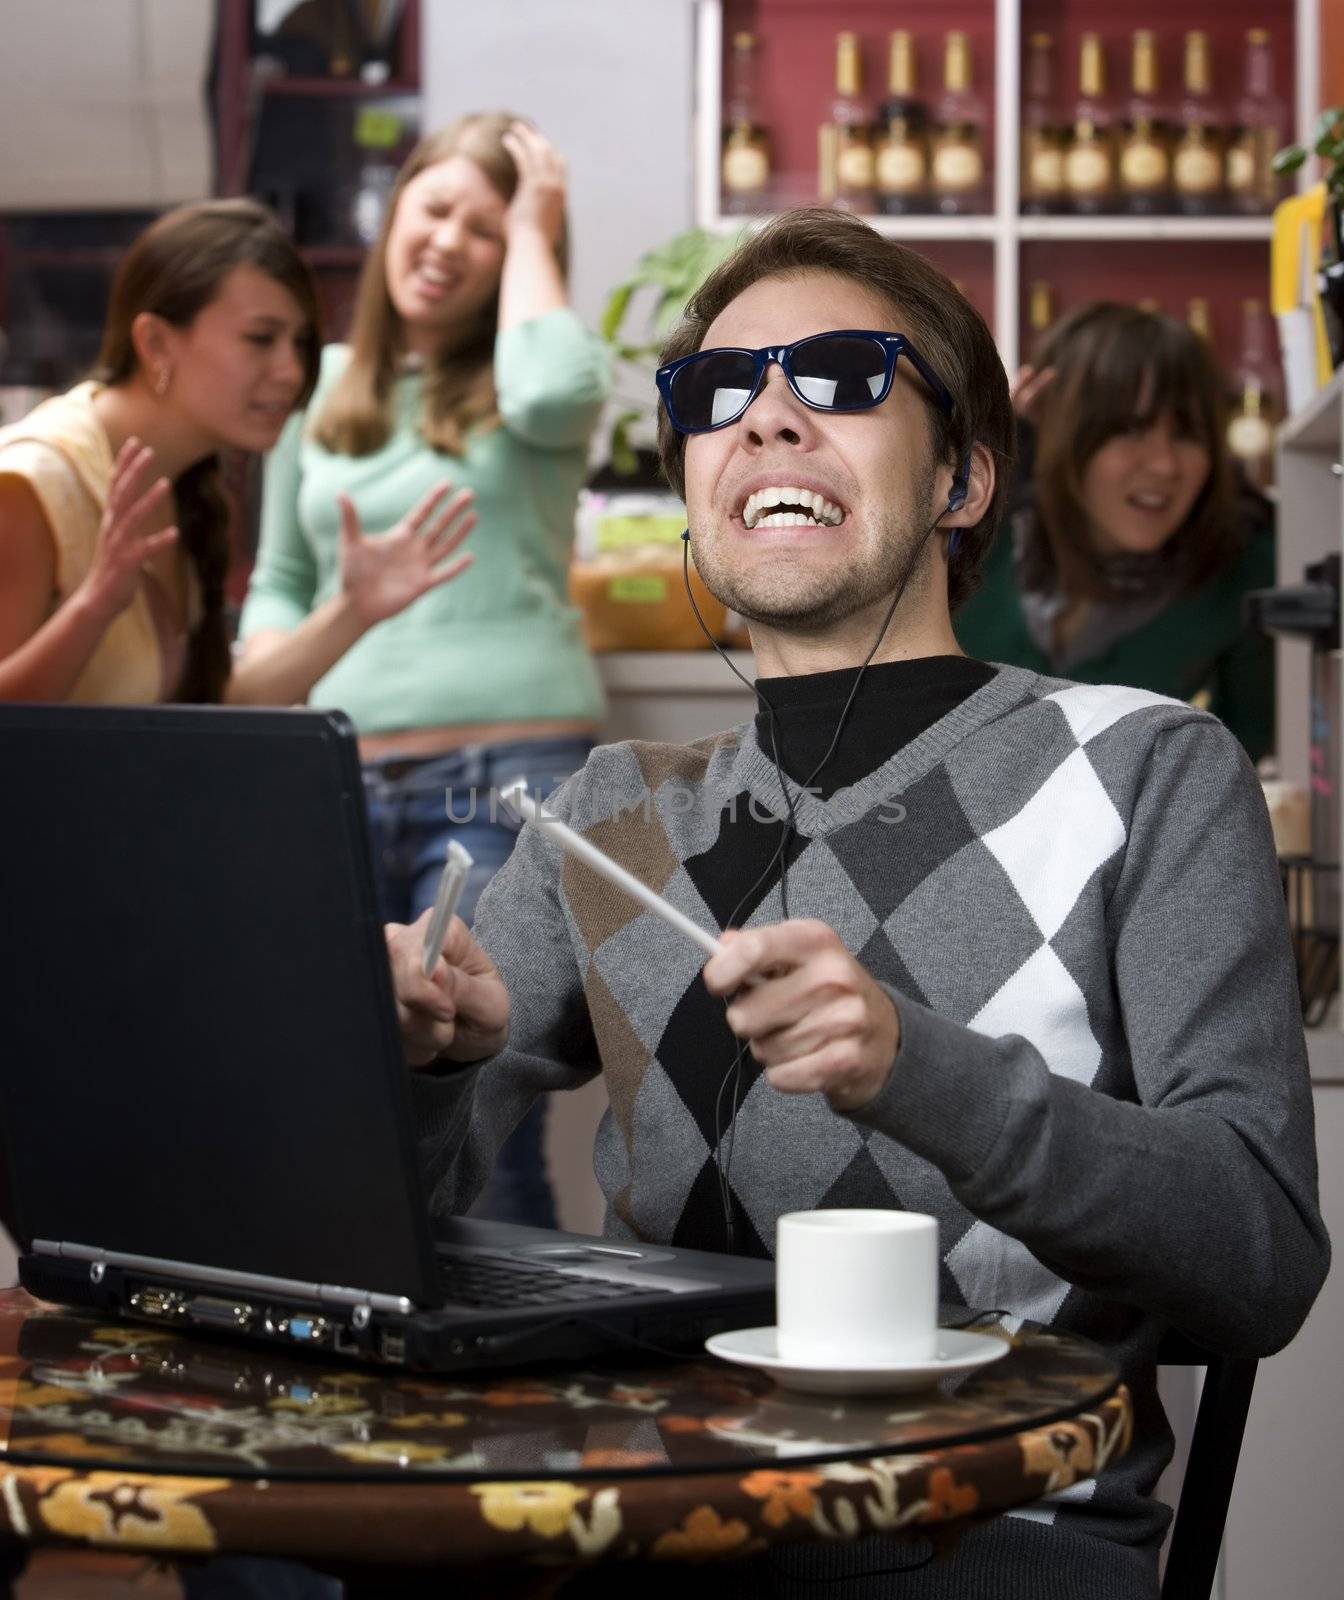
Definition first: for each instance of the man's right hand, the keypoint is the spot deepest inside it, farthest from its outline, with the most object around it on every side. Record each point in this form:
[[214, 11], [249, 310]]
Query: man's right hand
[[461, 1010]]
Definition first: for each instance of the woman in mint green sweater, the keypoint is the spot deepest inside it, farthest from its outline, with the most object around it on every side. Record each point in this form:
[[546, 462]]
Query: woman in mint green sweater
[[1131, 545], [465, 363]]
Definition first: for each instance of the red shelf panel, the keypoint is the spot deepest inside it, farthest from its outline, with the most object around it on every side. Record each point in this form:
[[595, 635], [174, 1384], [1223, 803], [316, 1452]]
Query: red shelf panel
[[969, 264], [1223, 275]]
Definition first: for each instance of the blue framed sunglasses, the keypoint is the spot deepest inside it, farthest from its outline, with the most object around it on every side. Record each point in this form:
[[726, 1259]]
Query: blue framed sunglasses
[[850, 369]]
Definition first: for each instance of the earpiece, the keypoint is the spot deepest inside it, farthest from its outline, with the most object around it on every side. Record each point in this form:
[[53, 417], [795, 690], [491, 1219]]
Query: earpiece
[[686, 535], [956, 497], [961, 479]]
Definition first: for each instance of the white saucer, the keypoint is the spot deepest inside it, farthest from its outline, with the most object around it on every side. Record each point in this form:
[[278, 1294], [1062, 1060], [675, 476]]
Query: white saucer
[[957, 1351]]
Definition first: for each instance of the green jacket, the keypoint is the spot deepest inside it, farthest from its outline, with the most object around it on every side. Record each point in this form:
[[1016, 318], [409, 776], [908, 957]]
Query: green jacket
[[1198, 643]]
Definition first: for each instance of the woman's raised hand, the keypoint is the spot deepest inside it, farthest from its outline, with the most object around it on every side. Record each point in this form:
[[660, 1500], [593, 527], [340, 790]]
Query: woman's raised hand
[[1026, 387], [383, 574], [539, 200], [123, 545]]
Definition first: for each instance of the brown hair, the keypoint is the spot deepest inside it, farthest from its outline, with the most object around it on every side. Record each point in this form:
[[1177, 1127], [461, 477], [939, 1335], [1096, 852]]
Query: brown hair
[[459, 393], [174, 270], [947, 330], [1117, 367]]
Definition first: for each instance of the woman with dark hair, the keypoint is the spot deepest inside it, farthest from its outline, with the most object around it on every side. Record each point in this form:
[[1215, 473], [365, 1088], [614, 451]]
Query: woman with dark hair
[[1131, 543], [113, 529], [464, 356]]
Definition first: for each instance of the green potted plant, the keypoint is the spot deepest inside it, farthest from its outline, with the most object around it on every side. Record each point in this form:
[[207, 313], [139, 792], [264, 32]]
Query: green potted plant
[[639, 314], [1328, 143], [627, 573]]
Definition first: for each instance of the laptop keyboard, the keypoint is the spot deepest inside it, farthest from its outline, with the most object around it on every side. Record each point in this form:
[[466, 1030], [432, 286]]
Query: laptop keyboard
[[483, 1280]]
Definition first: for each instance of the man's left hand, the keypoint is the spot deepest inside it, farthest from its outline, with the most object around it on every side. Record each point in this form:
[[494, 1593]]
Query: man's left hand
[[815, 1019]]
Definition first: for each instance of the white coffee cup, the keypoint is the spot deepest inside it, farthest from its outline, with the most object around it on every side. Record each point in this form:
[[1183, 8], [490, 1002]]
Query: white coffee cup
[[856, 1288]]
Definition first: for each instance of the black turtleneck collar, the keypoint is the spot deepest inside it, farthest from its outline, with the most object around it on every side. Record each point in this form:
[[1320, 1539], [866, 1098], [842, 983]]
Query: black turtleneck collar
[[896, 702]]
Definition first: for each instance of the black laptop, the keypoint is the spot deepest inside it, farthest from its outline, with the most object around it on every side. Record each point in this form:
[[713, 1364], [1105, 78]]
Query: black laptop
[[205, 1104]]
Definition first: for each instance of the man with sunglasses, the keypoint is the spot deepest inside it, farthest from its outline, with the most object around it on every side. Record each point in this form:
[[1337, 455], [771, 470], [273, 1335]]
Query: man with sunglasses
[[1010, 951]]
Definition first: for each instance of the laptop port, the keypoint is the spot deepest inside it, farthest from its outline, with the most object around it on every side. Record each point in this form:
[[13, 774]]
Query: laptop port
[[213, 1313], [392, 1347], [309, 1330], [158, 1302]]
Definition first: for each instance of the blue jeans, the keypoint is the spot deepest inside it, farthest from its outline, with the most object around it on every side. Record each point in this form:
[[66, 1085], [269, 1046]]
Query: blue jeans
[[415, 807]]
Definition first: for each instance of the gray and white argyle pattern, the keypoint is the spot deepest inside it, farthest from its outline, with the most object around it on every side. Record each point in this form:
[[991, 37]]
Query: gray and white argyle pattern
[[985, 901]]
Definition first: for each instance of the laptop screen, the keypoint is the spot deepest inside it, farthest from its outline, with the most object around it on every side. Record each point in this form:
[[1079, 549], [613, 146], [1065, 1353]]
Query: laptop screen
[[199, 1055]]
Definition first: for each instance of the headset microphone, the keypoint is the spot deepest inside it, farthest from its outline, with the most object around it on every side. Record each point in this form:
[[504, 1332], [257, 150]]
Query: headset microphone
[[956, 498], [960, 486]]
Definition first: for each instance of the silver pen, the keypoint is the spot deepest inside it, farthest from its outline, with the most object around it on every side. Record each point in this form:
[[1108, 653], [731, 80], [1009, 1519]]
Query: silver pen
[[451, 884]]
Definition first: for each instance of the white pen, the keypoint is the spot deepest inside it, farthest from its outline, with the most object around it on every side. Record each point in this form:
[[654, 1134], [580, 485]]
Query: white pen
[[451, 884], [515, 796]]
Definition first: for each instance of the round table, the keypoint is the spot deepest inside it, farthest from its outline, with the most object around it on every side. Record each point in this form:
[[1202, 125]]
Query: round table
[[142, 1439]]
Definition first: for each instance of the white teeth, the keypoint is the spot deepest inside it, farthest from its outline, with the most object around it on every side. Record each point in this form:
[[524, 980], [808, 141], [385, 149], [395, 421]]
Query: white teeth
[[823, 512], [787, 519]]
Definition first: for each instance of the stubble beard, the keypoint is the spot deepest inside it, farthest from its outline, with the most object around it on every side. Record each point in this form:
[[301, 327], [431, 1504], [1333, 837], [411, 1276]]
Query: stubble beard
[[785, 595]]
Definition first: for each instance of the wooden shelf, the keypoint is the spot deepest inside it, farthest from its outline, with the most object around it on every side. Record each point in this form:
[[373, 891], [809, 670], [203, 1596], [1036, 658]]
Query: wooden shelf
[[106, 255], [1144, 228], [987, 226], [338, 88], [959, 228], [690, 671]]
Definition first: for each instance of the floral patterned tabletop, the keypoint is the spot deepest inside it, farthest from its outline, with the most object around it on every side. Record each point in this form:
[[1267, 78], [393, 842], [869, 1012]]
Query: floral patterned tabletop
[[137, 1438]]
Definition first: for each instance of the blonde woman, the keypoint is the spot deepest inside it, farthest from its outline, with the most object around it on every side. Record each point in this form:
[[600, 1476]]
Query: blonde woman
[[464, 361]]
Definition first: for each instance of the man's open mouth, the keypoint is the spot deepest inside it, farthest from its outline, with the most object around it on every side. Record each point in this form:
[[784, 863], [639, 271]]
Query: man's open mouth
[[789, 507]]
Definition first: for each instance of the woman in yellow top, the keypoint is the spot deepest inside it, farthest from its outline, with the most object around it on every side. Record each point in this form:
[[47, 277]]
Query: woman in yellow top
[[113, 529]]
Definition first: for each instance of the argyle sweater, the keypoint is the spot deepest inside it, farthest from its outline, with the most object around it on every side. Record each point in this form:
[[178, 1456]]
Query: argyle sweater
[[1071, 894]]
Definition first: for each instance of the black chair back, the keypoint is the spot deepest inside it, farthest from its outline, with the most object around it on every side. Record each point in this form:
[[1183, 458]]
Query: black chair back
[[1206, 1490]]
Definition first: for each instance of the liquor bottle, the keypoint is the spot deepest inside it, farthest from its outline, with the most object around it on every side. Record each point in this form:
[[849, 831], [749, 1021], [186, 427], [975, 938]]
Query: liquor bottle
[[1258, 396], [1089, 165], [1145, 154], [902, 151], [1261, 120], [957, 157], [1197, 318], [1042, 137], [1197, 169], [846, 145], [1040, 310], [745, 166]]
